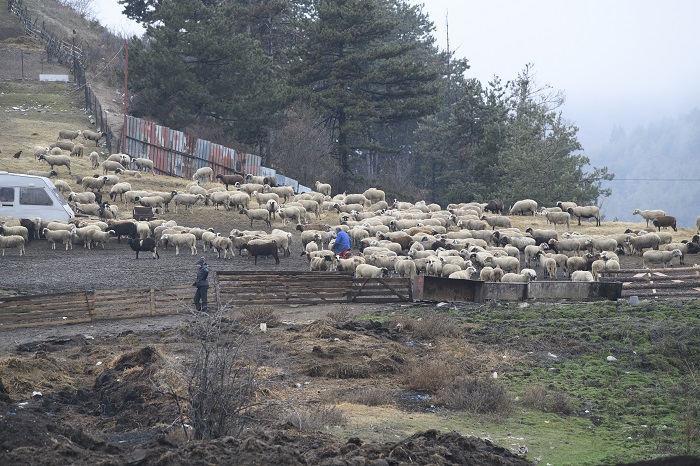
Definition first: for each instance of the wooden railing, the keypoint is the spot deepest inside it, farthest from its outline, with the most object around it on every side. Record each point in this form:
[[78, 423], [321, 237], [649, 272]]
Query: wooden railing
[[672, 282]]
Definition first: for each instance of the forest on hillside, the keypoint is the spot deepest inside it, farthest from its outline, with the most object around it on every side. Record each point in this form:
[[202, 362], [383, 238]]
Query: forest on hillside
[[356, 93], [656, 167]]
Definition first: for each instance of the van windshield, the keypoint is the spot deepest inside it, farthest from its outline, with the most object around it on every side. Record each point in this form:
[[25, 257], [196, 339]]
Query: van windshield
[[34, 196]]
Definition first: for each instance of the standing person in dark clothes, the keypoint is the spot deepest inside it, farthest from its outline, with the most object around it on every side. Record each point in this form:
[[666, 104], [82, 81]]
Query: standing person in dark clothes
[[202, 284]]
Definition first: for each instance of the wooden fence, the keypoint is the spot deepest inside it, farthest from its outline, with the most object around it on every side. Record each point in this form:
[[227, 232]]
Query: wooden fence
[[240, 288], [676, 282], [232, 288]]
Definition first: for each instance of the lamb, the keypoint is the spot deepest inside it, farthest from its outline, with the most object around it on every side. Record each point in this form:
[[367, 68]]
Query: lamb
[[63, 236], [649, 214], [523, 206], [588, 211], [111, 165], [665, 221], [188, 200], [660, 257], [17, 230], [56, 160], [97, 236], [465, 274], [323, 188], [262, 247], [118, 190], [639, 243], [48, 174], [497, 221], [549, 264], [12, 241], [93, 136], [258, 214], [144, 165], [144, 245], [319, 264], [230, 179], [370, 271], [582, 276], [181, 239]]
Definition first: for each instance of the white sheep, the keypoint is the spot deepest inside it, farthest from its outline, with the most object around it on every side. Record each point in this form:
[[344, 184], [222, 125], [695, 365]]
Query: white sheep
[[144, 164], [88, 209], [325, 263], [94, 159], [370, 271], [323, 188], [68, 134], [239, 200], [203, 173], [465, 274], [111, 166], [56, 160], [222, 243], [181, 239], [582, 276], [78, 150], [500, 221], [99, 237], [524, 277], [219, 198], [12, 241], [15, 230], [587, 211], [660, 257], [257, 214], [523, 206], [549, 264], [93, 136], [62, 186], [89, 182], [291, 213], [405, 268], [639, 243], [188, 200], [40, 150], [60, 236], [649, 215], [118, 189], [48, 174]]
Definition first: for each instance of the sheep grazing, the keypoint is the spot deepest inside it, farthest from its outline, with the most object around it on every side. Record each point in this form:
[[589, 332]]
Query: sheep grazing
[[230, 180], [495, 206], [187, 200], [111, 166], [665, 221], [205, 173], [63, 145], [39, 150], [660, 257], [118, 190], [94, 159], [93, 136], [144, 245], [12, 241], [78, 150], [257, 214], [55, 160], [499, 221], [524, 206], [323, 188], [649, 215], [144, 165], [588, 211], [262, 247], [180, 239]]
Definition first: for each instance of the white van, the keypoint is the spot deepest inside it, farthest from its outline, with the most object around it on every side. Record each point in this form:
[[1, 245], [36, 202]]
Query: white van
[[27, 196]]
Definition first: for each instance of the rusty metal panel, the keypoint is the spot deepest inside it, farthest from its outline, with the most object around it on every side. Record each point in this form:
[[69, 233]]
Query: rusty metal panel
[[448, 289]]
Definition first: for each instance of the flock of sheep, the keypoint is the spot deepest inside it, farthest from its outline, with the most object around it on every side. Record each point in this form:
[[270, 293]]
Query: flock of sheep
[[460, 241]]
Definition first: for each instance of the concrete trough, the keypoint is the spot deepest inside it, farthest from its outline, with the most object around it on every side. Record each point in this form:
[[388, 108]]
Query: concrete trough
[[452, 290]]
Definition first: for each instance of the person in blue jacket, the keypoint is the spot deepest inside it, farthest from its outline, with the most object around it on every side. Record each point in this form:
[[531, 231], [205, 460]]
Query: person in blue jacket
[[202, 284], [342, 244]]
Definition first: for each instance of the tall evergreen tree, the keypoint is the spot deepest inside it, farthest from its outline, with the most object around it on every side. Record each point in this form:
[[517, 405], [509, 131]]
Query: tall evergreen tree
[[193, 66], [365, 67]]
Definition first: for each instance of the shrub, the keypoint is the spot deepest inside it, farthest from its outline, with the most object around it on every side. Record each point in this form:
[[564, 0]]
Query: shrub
[[430, 375], [254, 315], [370, 396], [477, 396], [548, 400], [316, 418], [430, 328]]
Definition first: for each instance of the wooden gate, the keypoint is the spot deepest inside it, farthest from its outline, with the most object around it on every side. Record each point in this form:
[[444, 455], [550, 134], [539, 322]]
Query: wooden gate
[[676, 282]]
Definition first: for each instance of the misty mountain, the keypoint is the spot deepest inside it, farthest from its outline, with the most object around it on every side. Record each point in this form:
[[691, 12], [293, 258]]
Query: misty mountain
[[655, 167]]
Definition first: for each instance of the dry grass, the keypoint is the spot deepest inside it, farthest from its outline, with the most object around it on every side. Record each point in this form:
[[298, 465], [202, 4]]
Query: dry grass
[[316, 418]]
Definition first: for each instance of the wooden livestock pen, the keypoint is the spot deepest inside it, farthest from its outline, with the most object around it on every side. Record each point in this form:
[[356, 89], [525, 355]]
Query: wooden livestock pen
[[674, 282], [240, 288]]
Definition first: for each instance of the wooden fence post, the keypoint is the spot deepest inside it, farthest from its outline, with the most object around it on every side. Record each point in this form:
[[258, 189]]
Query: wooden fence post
[[153, 302], [90, 302]]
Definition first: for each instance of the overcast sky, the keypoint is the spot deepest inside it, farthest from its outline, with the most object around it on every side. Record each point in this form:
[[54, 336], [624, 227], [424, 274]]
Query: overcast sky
[[624, 62]]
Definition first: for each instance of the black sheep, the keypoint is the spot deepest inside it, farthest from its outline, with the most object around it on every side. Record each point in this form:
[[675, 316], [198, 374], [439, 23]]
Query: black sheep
[[495, 206], [126, 228], [146, 244], [30, 226], [230, 179], [262, 247]]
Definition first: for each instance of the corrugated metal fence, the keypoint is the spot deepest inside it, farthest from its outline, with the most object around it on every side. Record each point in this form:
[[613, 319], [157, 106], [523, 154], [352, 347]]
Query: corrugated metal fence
[[175, 153]]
